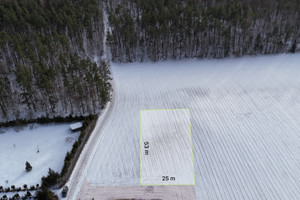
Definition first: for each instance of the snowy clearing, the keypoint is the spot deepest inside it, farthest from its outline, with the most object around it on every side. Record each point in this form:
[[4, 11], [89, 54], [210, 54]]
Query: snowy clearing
[[245, 119], [43, 146]]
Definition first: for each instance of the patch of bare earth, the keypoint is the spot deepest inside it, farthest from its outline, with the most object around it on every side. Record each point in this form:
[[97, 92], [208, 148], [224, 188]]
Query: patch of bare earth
[[160, 192]]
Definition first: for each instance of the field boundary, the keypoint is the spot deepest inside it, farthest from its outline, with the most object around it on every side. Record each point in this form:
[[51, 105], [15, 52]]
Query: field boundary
[[191, 145]]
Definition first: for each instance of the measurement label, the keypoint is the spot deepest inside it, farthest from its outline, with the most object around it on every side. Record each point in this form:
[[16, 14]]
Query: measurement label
[[168, 178], [165, 147], [146, 146]]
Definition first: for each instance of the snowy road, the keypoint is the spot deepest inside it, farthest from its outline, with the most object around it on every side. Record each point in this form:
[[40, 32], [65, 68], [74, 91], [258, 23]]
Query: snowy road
[[245, 119]]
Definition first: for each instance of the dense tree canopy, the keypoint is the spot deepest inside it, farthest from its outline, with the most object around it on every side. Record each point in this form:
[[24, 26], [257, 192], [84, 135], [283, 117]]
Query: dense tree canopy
[[50, 51], [46, 52], [163, 29]]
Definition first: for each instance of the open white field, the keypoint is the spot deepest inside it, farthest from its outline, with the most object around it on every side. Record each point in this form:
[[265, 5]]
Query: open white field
[[245, 119], [166, 148], [53, 141]]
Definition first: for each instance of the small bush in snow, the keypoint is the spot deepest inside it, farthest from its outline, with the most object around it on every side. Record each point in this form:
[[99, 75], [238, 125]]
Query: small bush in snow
[[28, 167], [13, 187], [28, 194], [16, 196], [32, 187], [7, 189], [25, 186]]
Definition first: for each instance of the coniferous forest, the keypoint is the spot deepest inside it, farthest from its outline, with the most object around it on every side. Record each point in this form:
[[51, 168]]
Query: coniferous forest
[[52, 59], [174, 29], [47, 52]]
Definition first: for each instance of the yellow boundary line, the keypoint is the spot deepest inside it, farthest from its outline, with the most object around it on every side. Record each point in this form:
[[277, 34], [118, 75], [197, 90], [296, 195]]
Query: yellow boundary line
[[140, 147], [192, 146], [190, 127]]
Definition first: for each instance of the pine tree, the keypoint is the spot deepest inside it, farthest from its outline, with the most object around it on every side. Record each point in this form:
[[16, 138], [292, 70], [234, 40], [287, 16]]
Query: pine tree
[[293, 48]]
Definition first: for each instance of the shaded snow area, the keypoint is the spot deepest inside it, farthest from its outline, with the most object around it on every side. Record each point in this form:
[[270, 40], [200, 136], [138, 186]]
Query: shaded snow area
[[245, 123], [43, 146]]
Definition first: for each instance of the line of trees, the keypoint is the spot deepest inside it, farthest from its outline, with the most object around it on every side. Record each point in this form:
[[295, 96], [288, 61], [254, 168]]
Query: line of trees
[[172, 29]]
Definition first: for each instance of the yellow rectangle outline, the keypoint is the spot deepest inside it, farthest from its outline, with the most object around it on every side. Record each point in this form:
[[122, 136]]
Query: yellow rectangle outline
[[190, 126]]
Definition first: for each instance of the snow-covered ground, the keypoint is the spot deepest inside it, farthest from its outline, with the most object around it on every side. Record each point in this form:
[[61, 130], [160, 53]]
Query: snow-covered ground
[[166, 148], [43, 146], [245, 120]]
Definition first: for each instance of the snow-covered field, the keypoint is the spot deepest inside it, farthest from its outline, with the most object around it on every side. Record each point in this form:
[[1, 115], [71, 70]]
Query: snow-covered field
[[43, 146], [245, 119], [166, 148]]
